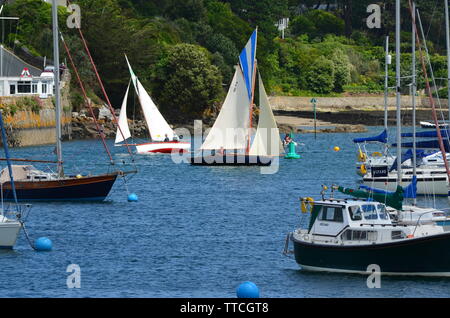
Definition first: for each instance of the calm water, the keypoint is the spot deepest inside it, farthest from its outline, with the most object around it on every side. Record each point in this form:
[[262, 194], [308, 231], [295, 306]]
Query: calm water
[[195, 232]]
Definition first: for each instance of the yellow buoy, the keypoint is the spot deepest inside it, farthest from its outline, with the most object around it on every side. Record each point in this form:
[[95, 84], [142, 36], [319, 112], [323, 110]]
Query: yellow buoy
[[336, 148]]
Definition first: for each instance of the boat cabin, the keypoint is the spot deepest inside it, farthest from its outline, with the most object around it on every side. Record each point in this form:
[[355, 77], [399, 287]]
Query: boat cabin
[[352, 221]]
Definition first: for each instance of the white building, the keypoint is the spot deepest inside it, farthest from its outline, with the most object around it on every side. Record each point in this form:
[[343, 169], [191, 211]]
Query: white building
[[62, 3], [18, 78]]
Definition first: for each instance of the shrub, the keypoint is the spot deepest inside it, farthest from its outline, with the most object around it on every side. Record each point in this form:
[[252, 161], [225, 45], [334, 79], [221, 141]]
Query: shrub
[[320, 76]]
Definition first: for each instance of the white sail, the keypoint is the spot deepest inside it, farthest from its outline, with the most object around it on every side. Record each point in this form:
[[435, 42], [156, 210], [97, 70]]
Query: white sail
[[156, 123], [267, 140], [124, 132], [230, 129]]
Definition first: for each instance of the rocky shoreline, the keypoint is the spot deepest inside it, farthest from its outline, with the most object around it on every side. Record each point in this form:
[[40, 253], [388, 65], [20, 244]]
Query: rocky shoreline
[[84, 127]]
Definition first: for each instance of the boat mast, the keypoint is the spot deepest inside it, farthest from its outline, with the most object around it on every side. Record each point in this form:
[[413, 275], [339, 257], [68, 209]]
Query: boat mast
[[251, 110], [398, 94], [413, 92], [428, 90], [247, 151], [447, 34], [57, 89], [386, 83]]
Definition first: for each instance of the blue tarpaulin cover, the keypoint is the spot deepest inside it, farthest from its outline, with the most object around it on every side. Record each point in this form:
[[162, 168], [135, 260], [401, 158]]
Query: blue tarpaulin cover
[[408, 155], [429, 144], [428, 134], [380, 138], [408, 192]]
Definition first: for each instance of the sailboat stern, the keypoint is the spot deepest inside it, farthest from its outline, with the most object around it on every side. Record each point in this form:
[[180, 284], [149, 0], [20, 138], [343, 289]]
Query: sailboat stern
[[164, 147]]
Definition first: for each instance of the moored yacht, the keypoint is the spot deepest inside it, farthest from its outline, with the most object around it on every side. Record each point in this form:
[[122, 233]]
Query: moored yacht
[[348, 235]]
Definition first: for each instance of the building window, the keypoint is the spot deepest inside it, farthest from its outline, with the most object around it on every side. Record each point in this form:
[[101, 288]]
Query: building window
[[44, 88], [34, 88], [12, 89], [24, 87]]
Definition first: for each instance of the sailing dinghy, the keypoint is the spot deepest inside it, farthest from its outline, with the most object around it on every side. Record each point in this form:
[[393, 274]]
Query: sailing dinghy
[[229, 140], [164, 139]]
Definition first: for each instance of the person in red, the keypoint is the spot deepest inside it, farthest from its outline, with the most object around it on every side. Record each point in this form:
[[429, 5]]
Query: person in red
[[287, 140]]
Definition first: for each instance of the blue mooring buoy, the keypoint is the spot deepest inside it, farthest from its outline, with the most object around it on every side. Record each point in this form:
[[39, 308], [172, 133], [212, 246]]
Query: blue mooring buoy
[[43, 244], [247, 290], [132, 197]]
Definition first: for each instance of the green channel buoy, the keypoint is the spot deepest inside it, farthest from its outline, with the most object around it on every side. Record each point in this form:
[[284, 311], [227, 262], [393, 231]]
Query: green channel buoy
[[292, 154]]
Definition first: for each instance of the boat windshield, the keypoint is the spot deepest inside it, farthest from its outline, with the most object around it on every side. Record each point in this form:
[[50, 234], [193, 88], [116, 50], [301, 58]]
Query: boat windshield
[[383, 214], [369, 211]]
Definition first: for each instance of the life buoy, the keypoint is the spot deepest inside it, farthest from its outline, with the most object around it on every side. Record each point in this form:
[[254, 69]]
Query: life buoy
[[307, 204], [363, 169], [361, 156], [376, 154]]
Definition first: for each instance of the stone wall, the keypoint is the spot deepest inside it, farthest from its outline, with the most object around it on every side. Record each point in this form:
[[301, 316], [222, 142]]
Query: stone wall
[[27, 128], [292, 103]]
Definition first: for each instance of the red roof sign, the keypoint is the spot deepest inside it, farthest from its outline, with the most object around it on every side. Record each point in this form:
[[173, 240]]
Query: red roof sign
[[25, 72]]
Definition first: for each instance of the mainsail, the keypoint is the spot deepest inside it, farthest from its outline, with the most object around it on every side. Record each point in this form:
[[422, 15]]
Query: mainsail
[[124, 132], [156, 123], [230, 129], [267, 139]]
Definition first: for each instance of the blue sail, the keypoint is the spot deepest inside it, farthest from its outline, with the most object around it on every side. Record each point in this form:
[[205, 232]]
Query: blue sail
[[380, 138], [247, 62], [409, 191]]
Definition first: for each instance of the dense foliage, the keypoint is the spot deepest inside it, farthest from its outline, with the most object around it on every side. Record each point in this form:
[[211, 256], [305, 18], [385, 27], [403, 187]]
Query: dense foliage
[[184, 52]]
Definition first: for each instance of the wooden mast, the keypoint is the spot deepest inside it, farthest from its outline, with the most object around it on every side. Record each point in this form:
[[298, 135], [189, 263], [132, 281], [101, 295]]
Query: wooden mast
[[249, 138], [251, 110]]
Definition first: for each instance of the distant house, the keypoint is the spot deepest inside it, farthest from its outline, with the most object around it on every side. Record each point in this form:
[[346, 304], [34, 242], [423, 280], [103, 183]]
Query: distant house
[[328, 6], [18, 78], [62, 3]]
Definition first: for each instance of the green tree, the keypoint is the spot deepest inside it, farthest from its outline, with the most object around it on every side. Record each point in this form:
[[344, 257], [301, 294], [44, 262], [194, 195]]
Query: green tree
[[342, 69], [192, 10], [186, 83], [317, 23], [320, 76]]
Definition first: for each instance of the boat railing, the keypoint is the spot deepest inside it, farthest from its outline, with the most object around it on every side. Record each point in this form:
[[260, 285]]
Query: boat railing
[[16, 211], [286, 250], [418, 221]]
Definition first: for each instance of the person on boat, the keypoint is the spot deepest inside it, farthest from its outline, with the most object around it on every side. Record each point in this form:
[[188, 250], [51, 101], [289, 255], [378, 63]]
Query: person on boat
[[166, 139], [287, 140], [221, 151]]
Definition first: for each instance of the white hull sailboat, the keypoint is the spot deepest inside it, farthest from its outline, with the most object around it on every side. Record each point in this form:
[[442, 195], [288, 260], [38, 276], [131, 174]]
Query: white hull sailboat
[[230, 139], [9, 231], [429, 181], [164, 139]]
